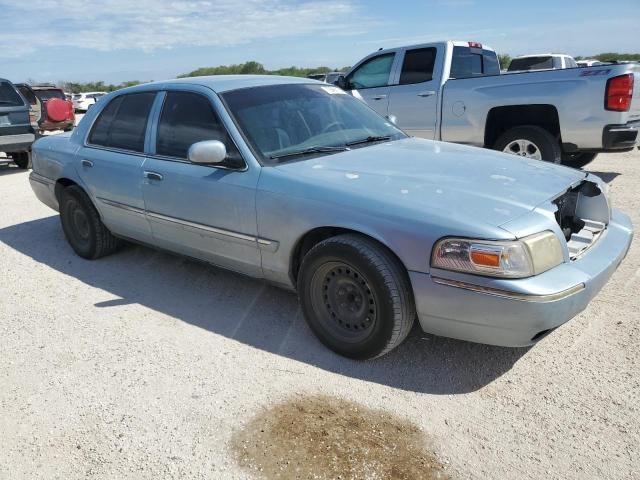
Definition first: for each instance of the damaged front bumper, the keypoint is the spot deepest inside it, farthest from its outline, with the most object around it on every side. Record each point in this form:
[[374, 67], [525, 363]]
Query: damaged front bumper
[[520, 312]]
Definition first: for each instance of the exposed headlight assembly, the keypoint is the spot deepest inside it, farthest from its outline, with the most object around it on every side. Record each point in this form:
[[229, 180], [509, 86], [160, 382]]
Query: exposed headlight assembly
[[509, 259]]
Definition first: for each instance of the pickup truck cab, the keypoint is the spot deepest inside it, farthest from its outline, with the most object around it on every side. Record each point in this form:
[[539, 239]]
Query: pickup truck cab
[[453, 91]]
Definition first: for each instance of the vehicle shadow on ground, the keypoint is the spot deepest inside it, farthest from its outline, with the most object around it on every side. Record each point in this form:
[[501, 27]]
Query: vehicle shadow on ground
[[8, 168], [257, 314], [607, 176]]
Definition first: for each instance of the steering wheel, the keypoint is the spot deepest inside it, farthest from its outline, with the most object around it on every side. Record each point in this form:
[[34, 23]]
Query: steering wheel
[[332, 126]]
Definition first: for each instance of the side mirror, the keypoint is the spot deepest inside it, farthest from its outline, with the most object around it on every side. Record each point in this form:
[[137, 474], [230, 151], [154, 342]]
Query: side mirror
[[342, 82], [208, 152], [393, 119]]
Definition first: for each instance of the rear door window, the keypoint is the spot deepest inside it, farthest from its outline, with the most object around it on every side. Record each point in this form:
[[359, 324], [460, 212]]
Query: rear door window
[[123, 123], [470, 62], [9, 97], [48, 94], [373, 73], [417, 66]]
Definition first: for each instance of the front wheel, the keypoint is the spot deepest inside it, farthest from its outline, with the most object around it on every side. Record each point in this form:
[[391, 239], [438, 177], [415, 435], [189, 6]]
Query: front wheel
[[356, 296], [578, 160], [530, 141]]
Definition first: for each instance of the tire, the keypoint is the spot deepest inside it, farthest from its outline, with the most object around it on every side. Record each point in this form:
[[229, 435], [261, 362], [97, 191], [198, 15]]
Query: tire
[[356, 296], [22, 160], [546, 146], [82, 226], [578, 160]]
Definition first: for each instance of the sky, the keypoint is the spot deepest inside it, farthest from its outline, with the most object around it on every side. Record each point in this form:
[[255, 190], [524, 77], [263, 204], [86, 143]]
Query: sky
[[119, 40]]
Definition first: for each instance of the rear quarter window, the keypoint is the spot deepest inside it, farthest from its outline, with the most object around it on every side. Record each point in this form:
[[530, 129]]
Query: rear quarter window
[[531, 63], [9, 97], [470, 62]]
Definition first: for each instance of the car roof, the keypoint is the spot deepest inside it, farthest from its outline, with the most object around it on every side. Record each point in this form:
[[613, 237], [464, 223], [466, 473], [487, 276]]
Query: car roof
[[225, 83]]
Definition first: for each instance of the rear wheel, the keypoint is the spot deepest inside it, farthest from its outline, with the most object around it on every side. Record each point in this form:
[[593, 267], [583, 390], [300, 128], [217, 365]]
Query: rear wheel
[[355, 296], [578, 160], [82, 226], [22, 160], [530, 141]]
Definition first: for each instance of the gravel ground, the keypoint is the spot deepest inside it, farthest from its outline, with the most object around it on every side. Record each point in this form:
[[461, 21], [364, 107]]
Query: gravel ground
[[144, 365]]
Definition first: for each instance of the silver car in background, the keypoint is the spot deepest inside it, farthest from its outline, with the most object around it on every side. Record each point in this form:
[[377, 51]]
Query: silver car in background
[[299, 184]]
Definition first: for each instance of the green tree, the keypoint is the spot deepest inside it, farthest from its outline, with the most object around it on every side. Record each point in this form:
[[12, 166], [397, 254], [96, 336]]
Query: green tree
[[505, 60]]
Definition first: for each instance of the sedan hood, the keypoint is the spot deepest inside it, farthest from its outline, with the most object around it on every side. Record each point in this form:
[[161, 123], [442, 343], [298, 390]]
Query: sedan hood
[[437, 177]]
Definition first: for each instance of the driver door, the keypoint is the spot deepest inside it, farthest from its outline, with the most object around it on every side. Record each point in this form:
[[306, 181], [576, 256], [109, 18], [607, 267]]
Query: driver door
[[371, 79]]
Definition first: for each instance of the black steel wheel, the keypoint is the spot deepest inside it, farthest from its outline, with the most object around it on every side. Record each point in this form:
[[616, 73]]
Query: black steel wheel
[[82, 226], [356, 296]]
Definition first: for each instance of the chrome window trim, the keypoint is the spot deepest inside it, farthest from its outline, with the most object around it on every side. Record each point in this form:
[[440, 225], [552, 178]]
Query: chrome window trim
[[523, 297]]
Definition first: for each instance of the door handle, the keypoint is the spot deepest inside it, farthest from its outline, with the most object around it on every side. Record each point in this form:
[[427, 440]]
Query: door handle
[[153, 176], [379, 97], [426, 93], [87, 163]]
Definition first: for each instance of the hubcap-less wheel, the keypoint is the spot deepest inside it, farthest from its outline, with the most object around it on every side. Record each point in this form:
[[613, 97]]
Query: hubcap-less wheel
[[80, 229], [343, 301], [524, 148]]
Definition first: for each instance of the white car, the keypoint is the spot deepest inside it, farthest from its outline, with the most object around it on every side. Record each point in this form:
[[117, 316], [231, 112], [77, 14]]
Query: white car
[[83, 101], [589, 63], [543, 61]]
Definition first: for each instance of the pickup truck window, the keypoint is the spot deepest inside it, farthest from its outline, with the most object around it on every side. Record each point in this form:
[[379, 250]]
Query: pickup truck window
[[531, 63], [470, 62], [417, 66], [188, 118], [373, 73], [123, 123], [9, 96]]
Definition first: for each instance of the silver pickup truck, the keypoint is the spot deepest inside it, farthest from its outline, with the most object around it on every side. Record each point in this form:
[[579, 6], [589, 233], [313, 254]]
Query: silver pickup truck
[[453, 91]]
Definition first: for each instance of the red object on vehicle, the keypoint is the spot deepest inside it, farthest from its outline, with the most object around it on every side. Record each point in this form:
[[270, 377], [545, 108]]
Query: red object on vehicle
[[619, 93], [475, 45], [59, 110]]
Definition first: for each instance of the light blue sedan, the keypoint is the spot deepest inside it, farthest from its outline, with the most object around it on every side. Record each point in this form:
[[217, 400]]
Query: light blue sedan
[[295, 182]]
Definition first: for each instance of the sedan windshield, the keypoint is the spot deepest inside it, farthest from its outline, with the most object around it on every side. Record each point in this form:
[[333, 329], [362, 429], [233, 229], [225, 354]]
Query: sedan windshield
[[289, 122]]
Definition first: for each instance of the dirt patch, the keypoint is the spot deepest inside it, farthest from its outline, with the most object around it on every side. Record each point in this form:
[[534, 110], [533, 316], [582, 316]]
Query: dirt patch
[[322, 437]]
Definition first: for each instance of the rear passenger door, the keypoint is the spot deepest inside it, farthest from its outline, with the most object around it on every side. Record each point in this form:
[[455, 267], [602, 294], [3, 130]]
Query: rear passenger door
[[414, 99], [370, 81], [203, 211], [110, 163]]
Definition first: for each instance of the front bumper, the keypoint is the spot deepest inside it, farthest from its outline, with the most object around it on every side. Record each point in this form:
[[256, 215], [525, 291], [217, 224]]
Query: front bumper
[[515, 313]]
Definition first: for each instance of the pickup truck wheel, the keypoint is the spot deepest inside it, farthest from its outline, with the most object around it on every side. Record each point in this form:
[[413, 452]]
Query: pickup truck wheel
[[530, 141], [578, 160], [22, 160], [355, 296], [82, 226]]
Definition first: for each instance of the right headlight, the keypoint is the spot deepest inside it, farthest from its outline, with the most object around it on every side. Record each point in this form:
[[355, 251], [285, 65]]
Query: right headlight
[[509, 259]]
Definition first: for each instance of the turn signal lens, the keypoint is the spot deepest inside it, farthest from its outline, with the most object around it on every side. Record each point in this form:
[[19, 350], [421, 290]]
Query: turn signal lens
[[485, 259]]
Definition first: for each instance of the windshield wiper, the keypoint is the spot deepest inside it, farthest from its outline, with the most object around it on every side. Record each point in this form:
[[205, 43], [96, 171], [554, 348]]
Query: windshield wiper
[[308, 151], [370, 139]]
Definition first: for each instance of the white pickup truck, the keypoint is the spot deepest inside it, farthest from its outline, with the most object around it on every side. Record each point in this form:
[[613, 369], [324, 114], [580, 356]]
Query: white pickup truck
[[453, 91]]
